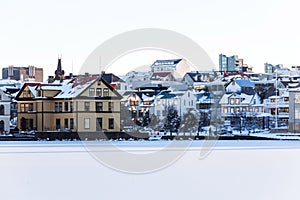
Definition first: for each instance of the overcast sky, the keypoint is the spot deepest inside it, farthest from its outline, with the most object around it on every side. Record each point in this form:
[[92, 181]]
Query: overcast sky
[[34, 32]]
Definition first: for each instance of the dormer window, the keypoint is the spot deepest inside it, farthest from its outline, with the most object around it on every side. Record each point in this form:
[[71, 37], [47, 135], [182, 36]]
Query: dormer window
[[38, 93], [99, 92], [92, 92], [105, 92]]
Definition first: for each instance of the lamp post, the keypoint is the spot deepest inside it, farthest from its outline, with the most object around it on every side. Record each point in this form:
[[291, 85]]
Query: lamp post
[[276, 108], [294, 116]]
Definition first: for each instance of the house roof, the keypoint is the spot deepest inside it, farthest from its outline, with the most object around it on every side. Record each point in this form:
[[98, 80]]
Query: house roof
[[161, 74], [195, 76], [245, 83], [69, 88], [166, 62], [109, 78], [246, 99]]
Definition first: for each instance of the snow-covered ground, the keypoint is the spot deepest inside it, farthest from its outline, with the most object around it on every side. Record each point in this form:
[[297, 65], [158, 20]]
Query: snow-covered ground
[[233, 170]]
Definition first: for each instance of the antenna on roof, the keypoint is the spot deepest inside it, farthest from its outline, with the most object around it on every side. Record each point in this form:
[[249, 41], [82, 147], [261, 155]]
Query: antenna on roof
[[100, 63]]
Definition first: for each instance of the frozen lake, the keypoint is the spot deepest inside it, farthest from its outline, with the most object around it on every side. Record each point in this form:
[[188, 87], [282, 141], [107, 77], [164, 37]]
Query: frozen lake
[[233, 170]]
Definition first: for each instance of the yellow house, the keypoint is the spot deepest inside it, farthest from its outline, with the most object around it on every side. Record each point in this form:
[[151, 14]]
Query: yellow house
[[81, 104]]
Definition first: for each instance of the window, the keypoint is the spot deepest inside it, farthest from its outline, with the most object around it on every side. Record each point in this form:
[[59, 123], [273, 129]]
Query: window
[[232, 101], [237, 101], [56, 107], [26, 107], [110, 106], [99, 92], [22, 107], [2, 126], [2, 110], [87, 123], [134, 102], [111, 123], [66, 106], [86, 106], [38, 93], [105, 92], [99, 124], [158, 102], [133, 114], [225, 110], [57, 124], [99, 106], [158, 113], [30, 107], [66, 123], [60, 106], [71, 123], [92, 92], [297, 113], [231, 110], [71, 106]]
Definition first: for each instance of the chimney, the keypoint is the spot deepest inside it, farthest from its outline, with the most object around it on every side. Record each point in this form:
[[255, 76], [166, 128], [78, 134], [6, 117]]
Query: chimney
[[50, 79]]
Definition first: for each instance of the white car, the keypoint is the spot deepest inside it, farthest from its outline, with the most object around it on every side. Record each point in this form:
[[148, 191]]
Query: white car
[[155, 137]]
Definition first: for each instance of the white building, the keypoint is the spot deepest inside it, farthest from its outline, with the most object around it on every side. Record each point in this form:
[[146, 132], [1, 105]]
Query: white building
[[278, 108], [237, 107], [5, 102], [178, 67], [182, 101]]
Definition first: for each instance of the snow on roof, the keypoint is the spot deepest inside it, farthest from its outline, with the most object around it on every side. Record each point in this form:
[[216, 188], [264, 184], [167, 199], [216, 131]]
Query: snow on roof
[[224, 99], [246, 99], [147, 98], [285, 94], [32, 90], [166, 62]]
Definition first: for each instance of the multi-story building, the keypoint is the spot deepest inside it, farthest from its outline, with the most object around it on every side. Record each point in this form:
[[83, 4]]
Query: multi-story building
[[230, 64], [243, 109], [278, 109], [5, 104], [294, 110], [24, 74], [269, 68], [178, 67], [182, 101], [81, 104]]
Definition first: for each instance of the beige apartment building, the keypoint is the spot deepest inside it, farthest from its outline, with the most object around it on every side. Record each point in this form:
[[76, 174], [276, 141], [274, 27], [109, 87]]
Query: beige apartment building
[[81, 104]]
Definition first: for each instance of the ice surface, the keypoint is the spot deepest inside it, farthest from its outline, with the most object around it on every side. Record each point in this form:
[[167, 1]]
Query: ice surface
[[234, 170]]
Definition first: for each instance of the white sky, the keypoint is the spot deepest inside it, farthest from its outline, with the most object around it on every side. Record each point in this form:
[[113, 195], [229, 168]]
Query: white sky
[[34, 32]]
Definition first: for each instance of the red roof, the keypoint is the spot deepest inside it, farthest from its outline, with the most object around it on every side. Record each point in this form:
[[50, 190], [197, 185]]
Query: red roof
[[115, 86], [161, 74]]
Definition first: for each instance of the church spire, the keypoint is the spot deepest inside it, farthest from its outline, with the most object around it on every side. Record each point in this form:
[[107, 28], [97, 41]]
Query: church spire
[[59, 73]]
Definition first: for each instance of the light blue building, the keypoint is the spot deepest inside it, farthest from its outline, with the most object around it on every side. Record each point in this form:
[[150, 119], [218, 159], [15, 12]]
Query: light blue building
[[230, 64]]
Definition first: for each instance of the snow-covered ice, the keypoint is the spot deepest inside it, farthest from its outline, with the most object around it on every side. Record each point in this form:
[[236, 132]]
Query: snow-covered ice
[[233, 170]]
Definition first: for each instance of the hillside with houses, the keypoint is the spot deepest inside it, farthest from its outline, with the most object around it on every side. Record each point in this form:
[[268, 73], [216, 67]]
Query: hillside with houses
[[169, 99]]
